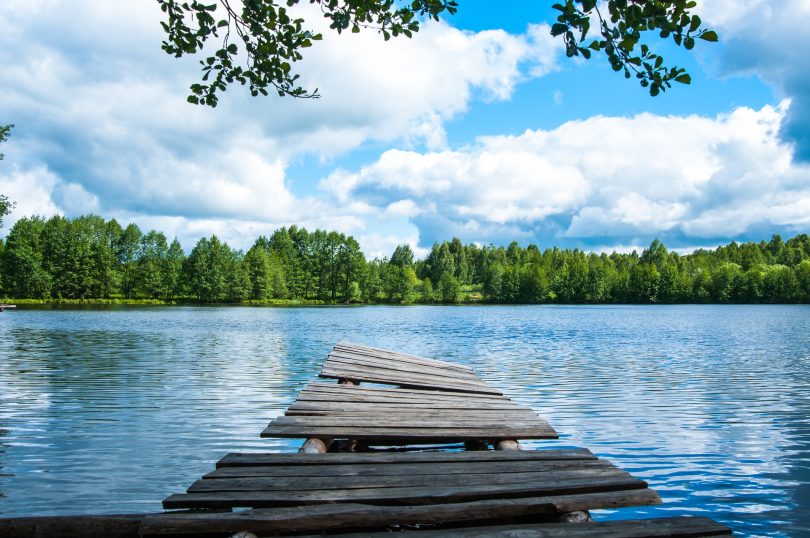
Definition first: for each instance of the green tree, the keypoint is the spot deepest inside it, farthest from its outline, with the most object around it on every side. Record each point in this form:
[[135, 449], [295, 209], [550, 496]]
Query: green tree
[[127, 249], [150, 274], [402, 256], [802, 271], [24, 275], [449, 288], [271, 38], [257, 263], [172, 270]]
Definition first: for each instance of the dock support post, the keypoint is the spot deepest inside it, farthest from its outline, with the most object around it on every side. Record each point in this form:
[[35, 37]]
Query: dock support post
[[313, 445], [507, 444]]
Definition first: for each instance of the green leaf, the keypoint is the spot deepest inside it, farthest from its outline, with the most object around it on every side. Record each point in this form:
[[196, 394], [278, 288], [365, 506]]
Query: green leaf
[[709, 35], [684, 79]]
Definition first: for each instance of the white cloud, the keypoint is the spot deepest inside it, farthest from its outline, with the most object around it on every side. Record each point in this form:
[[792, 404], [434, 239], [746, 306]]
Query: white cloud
[[768, 38], [102, 122], [630, 178]]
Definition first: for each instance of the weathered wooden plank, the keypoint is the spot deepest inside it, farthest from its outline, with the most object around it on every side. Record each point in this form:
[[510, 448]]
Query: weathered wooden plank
[[410, 435], [322, 385], [337, 516], [437, 395], [406, 469], [403, 357], [402, 398], [347, 482], [340, 357], [447, 406], [401, 421], [680, 527], [436, 493], [372, 458], [339, 364], [107, 526], [391, 377], [349, 398], [377, 376], [405, 411]]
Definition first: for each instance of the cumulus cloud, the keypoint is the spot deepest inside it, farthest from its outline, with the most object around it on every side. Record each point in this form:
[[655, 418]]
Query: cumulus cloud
[[768, 38], [627, 179], [103, 124]]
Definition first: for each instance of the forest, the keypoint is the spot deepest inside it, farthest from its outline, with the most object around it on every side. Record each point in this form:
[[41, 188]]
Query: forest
[[91, 259]]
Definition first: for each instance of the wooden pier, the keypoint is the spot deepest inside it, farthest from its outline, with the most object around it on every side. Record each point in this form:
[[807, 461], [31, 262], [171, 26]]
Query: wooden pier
[[348, 480], [7, 306]]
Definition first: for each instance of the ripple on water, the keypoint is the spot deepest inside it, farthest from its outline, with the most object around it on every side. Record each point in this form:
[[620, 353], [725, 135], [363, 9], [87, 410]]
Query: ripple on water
[[110, 410]]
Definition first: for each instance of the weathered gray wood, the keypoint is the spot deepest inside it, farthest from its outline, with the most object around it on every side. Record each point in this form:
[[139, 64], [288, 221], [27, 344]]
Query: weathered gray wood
[[352, 371], [346, 482], [437, 493], [380, 376], [336, 358], [399, 421], [106, 526], [397, 391], [393, 399], [336, 516], [681, 527], [414, 434], [403, 357], [394, 469], [372, 458], [407, 412], [303, 407]]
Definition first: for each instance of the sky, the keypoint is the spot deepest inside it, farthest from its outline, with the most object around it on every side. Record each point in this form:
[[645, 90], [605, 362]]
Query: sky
[[479, 128]]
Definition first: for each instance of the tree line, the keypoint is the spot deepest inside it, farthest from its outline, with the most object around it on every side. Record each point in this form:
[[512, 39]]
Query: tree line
[[89, 258]]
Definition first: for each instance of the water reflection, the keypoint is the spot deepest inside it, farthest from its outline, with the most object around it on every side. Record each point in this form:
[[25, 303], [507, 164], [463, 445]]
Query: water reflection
[[109, 411]]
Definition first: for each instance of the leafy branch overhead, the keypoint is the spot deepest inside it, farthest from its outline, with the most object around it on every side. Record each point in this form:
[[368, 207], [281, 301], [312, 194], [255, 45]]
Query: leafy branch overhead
[[257, 42], [6, 205], [620, 30]]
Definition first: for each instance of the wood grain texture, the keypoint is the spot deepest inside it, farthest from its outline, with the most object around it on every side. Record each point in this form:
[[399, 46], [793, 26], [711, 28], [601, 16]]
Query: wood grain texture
[[372, 458], [351, 515]]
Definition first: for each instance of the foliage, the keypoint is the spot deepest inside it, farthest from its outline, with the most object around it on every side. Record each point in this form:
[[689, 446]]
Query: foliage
[[6, 205], [258, 42], [620, 35], [88, 259], [5, 130]]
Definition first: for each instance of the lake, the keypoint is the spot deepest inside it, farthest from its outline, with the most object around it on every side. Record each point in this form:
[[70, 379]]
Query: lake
[[110, 410]]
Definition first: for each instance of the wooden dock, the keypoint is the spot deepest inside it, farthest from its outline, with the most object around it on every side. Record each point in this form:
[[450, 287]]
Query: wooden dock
[[347, 480], [7, 306]]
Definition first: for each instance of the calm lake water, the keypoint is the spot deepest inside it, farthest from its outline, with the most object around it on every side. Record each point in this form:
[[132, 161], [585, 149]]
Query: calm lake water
[[109, 411]]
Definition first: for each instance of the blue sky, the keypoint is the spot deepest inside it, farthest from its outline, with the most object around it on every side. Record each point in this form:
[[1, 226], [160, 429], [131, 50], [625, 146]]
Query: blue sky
[[479, 127]]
